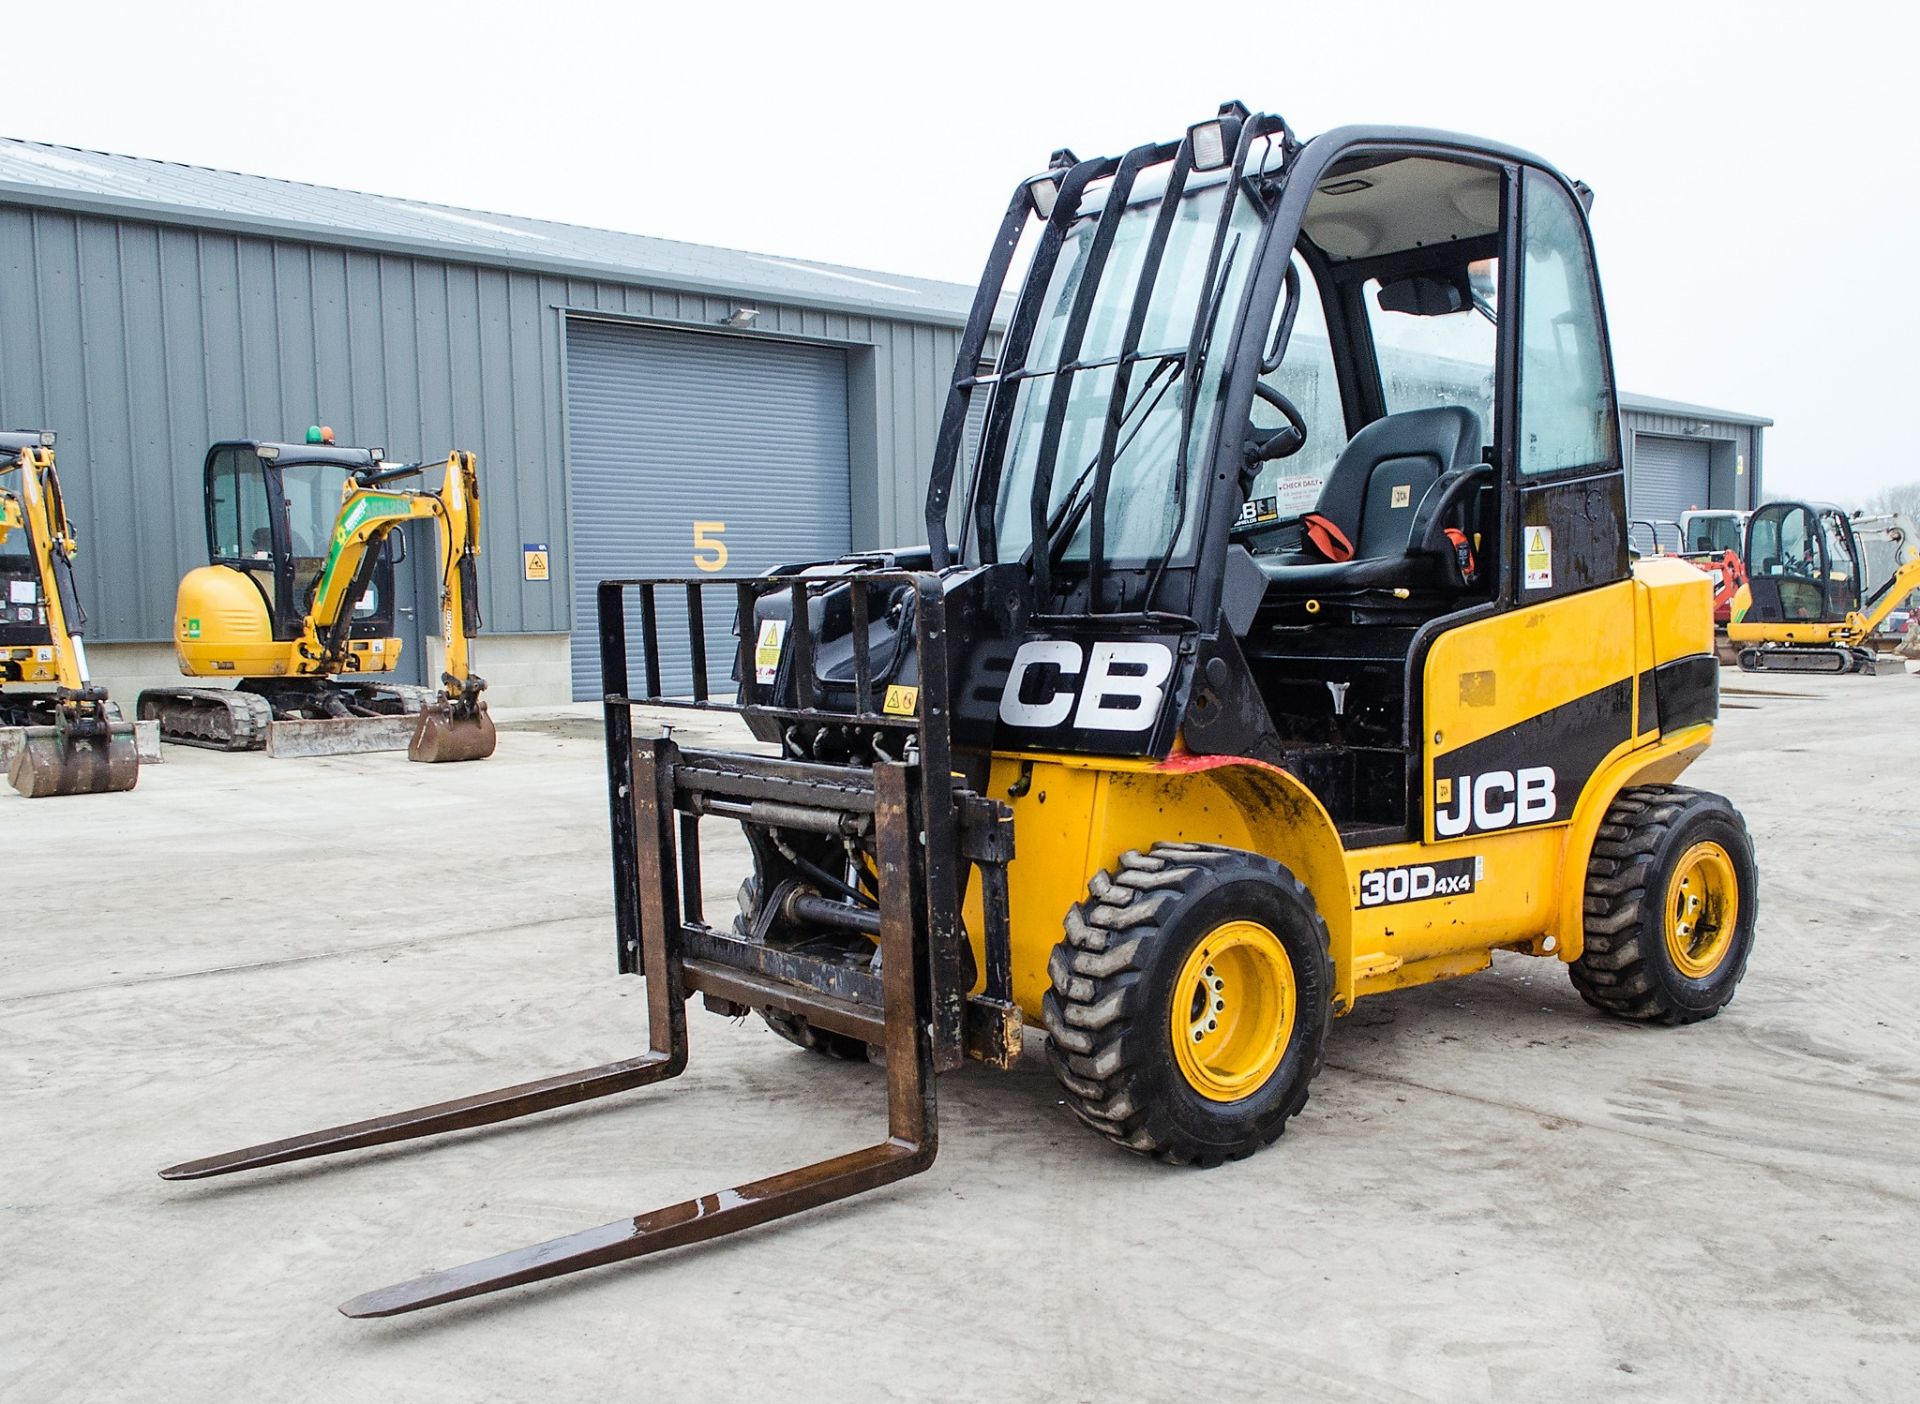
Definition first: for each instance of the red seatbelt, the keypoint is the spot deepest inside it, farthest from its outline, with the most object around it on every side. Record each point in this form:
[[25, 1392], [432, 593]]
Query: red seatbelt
[[1327, 538]]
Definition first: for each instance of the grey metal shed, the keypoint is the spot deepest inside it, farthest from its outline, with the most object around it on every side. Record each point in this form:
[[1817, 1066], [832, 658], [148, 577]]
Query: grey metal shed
[[148, 309]]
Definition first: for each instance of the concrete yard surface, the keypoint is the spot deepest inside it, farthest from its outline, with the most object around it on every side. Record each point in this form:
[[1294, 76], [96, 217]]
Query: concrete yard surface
[[1495, 1193]]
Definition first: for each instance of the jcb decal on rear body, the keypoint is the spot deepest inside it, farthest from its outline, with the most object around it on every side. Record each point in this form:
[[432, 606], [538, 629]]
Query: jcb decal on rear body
[[1496, 782], [1500, 799], [1117, 686], [1415, 882]]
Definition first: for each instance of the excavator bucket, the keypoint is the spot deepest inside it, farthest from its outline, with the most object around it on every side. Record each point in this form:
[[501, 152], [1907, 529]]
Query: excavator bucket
[[448, 731], [53, 761]]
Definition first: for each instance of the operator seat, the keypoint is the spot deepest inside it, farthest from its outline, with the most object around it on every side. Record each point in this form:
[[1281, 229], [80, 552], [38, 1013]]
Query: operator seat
[[1374, 495]]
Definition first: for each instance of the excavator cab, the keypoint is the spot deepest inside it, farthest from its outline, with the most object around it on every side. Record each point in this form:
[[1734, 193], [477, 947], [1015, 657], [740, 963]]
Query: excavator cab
[[271, 510], [1802, 563], [1277, 648]]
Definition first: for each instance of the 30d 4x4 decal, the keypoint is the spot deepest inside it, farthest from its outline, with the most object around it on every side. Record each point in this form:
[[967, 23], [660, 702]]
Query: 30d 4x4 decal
[[1415, 882]]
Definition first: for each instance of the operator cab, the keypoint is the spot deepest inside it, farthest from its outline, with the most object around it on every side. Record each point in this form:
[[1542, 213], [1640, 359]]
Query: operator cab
[[1803, 563], [1286, 411], [271, 509]]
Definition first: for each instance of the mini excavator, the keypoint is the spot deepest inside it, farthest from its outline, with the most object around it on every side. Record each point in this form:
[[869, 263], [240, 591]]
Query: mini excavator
[[1807, 606], [1130, 755], [73, 741], [297, 602]]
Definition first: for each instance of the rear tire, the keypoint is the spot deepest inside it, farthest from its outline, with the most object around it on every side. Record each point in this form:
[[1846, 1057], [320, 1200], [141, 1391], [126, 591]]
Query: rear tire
[[794, 1028], [1190, 1001], [1671, 899]]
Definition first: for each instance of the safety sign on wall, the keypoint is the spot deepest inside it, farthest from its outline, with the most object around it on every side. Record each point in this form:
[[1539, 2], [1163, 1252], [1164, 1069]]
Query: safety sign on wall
[[534, 554]]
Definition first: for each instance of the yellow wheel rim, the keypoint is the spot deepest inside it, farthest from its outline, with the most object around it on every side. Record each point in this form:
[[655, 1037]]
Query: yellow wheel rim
[[1232, 1011], [1703, 908]]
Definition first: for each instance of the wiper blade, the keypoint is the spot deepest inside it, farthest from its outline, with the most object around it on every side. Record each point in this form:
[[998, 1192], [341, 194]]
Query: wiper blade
[[1204, 343], [1073, 506]]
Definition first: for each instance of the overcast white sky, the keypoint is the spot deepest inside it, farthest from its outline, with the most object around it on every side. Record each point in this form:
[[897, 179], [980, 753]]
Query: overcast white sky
[[1756, 210]]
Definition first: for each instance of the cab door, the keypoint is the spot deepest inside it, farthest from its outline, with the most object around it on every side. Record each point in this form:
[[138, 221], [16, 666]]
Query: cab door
[[1523, 705], [1566, 467], [1787, 565]]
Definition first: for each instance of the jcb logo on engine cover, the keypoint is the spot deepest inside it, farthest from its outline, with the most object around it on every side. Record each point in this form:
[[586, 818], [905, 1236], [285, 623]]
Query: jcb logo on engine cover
[[1117, 686], [1499, 799]]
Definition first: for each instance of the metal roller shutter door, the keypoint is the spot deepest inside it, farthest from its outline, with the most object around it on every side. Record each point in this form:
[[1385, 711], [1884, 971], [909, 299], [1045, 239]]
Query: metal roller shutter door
[[1669, 477], [666, 429]]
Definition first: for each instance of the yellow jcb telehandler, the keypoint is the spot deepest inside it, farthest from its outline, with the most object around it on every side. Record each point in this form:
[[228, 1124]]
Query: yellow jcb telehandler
[[297, 605], [1141, 760], [71, 739]]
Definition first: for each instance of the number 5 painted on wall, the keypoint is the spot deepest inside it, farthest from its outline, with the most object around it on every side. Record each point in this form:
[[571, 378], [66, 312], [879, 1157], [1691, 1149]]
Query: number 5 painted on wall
[[709, 551]]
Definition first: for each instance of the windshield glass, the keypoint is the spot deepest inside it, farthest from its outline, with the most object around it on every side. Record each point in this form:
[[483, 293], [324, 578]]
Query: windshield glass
[[313, 492], [313, 502], [1142, 507], [1717, 533]]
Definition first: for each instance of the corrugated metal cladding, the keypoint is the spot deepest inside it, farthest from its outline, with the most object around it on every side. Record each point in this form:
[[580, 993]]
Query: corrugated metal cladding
[[1670, 476], [144, 342], [697, 453], [1654, 432]]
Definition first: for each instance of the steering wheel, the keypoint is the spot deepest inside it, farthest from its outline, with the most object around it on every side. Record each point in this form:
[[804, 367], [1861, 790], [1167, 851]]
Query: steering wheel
[[1438, 506], [1289, 438]]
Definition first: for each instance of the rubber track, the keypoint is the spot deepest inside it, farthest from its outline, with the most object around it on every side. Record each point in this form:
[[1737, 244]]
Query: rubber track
[[215, 718], [1611, 973], [1098, 976]]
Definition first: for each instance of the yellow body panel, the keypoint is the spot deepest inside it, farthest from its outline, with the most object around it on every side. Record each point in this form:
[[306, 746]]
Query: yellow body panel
[[1074, 816], [222, 628], [1572, 670], [1679, 607], [1485, 676]]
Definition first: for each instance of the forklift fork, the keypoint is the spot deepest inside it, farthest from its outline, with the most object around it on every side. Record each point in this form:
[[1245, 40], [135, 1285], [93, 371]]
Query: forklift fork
[[653, 785]]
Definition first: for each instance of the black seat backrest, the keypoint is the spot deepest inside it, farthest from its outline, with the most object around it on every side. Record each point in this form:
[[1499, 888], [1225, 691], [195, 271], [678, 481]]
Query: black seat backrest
[[1387, 468]]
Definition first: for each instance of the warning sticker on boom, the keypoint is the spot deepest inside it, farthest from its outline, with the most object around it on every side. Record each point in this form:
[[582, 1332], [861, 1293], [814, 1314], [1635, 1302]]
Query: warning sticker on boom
[[1539, 558]]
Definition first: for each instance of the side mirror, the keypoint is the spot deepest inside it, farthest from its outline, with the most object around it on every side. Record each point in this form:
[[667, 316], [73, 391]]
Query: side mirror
[[1423, 295]]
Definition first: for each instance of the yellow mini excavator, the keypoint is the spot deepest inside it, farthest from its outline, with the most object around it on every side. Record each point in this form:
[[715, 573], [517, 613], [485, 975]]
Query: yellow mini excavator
[[1807, 605], [297, 603], [72, 742], [1142, 759]]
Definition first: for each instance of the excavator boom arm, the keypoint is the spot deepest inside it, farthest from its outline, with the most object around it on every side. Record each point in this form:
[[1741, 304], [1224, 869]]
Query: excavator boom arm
[[1901, 584], [37, 509], [368, 515]]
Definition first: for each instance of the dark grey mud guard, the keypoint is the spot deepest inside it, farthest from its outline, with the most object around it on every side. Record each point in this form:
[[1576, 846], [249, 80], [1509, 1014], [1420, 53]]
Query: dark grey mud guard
[[916, 1007]]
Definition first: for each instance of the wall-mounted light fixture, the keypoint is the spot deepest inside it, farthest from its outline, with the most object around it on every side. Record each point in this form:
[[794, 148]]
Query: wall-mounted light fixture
[[740, 318]]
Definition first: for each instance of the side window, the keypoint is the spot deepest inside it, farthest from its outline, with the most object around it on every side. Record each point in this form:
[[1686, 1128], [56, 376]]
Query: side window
[[1435, 356], [238, 492], [1566, 408], [1306, 377]]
